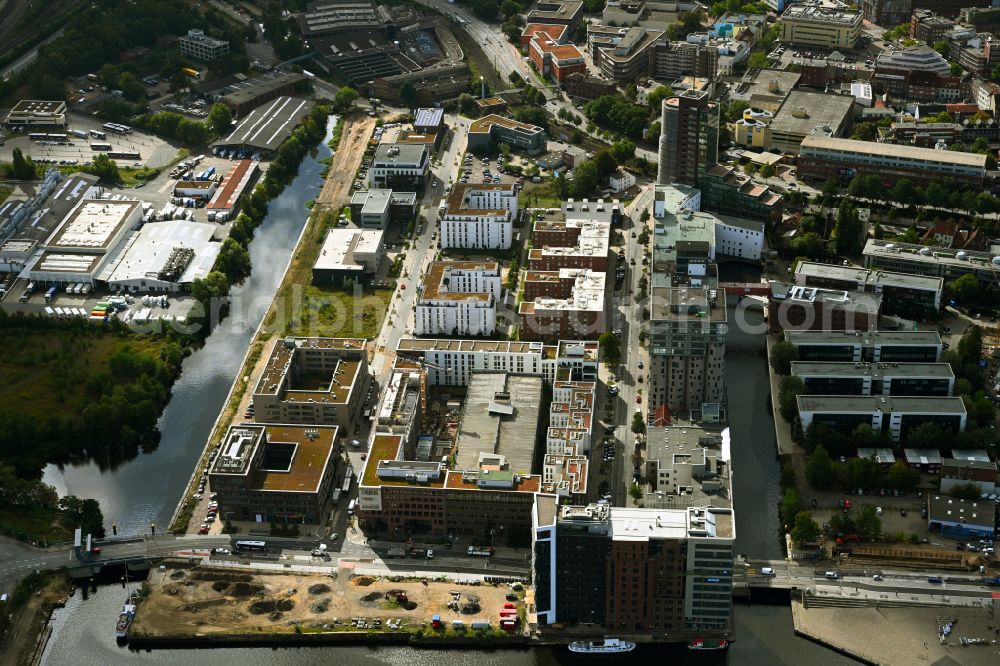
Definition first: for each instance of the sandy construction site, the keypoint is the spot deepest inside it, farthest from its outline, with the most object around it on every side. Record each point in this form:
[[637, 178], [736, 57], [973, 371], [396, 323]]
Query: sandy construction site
[[205, 601]]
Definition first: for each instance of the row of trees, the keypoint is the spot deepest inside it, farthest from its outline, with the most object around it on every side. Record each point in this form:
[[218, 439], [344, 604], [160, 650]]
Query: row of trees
[[616, 113], [939, 194], [592, 174]]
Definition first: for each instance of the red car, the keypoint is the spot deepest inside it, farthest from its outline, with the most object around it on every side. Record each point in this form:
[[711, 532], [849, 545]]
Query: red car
[[203, 530], [638, 398], [847, 504]]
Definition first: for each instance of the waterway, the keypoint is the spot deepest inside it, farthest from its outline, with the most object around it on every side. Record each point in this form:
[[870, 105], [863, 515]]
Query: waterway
[[147, 488]]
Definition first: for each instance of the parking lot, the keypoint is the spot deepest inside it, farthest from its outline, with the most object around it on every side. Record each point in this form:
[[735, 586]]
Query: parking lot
[[152, 151], [486, 169]]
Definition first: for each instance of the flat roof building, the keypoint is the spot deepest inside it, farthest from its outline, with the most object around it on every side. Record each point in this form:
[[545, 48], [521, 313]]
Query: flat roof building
[[820, 26], [934, 262], [823, 158], [399, 166], [554, 59], [792, 307], [894, 415], [977, 470], [866, 346], [309, 381], [576, 236], [802, 113], [458, 298], [479, 216], [903, 294], [163, 256], [687, 466], [556, 12], [622, 53], [960, 518], [826, 378], [242, 97], [568, 303], [267, 126], [275, 473], [196, 44], [240, 180], [349, 255], [37, 113], [375, 208], [329, 18], [498, 129]]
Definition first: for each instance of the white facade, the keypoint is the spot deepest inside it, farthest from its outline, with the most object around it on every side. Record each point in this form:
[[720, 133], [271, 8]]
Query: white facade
[[456, 317], [398, 161], [744, 240], [621, 180], [197, 44], [479, 216]]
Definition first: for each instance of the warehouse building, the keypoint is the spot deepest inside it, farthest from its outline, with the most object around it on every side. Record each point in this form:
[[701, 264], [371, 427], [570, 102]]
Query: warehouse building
[[348, 255], [275, 473], [242, 96], [820, 378], [240, 180], [85, 241], [266, 127], [163, 257], [37, 113], [961, 518]]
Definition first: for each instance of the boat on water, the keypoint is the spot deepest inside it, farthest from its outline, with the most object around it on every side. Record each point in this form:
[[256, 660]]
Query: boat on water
[[607, 646], [125, 618], [712, 644]]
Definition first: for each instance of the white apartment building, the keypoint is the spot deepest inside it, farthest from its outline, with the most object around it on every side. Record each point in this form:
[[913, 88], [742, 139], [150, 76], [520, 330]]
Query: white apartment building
[[196, 44], [738, 237], [458, 298], [479, 216], [451, 362]]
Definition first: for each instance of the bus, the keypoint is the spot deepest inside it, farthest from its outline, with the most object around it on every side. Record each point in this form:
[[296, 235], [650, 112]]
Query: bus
[[124, 155], [36, 136], [193, 73], [101, 147], [117, 128], [97, 134], [80, 134], [252, 546], [57, 137]]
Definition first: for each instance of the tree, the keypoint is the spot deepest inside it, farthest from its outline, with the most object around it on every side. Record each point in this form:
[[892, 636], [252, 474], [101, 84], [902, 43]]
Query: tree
[[790, 505], [902, 477], [819, 469], [942, 47], [212, 286], [656, 97], [22, 168], [782, 355], [966, 491], [638, 423], [105, 168], [48, 87], [790, 388], [233, 261], [964, 289], [635, 492], [344, 98], [605, 163], [622, 151], [108, 76], [848, 231], [758, 60], [585, 180], [806, 530], [408, 94], [611, 346], [868, 524], [467, 104], [509, 8], [220, 119], [767, 171]]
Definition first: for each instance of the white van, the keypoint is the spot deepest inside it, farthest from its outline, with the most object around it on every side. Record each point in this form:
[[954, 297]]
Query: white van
[[832, 575], [350, 507]]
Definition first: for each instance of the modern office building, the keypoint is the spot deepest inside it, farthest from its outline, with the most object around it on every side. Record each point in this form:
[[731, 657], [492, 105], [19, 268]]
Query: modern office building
[[458, 298], [479, 216], [800, 116], [349, 255], [903, 294], [494, 129], [729, 192], [867, 346], [453, 362], [557, 12], [689, 138], [554, 32], [276, 473], [814, 25], [894, 415], [897, 379], [556, 60], [927, 261], [796, 308], [314, 381], [660, 573], [37, 113], [374, 209], [687, 466], [670, 61], [585, 86], [622, 53], [688, 327], [196, 44], [823, 158], [399, 166], [568, 303]]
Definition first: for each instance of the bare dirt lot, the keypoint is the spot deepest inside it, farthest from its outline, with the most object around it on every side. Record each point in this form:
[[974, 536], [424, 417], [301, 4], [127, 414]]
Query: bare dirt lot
[[354, 140], [205, 601]]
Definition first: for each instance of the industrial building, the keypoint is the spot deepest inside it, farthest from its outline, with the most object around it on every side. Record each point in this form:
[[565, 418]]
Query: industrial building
[[243, 96], [867, 346], [240, 180], [820, 378], [374, 209], [267, 126], [961, 518], [824, 158], [162, 257], [903, 294], [349, 256], [83, 244], [275, 473], [452, 362], [37, 113], [814, 25], [314, 381], [498, 129], [568, 303], [196, 44], [895, 415], [458, 298], [479, 216], [965, 467]]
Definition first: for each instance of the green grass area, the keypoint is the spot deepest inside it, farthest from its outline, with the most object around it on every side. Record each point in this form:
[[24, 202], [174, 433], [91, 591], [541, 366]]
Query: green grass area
[[36, 524], [46, 372], [4, 193], [539, 195]]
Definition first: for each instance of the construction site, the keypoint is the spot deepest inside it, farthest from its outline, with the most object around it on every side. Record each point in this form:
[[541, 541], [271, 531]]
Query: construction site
[[185, 600]]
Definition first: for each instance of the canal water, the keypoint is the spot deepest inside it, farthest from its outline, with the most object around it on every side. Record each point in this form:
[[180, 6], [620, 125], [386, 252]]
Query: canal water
[[147, 488]]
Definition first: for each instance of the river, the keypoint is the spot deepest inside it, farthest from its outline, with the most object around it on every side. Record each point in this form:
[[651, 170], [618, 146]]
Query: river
[[82, 632]]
